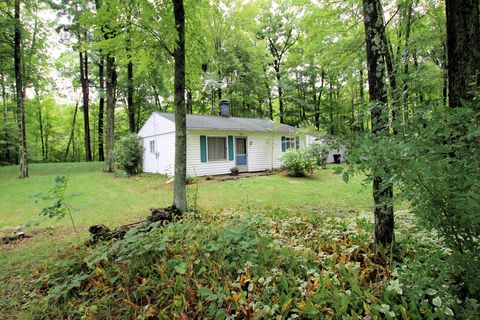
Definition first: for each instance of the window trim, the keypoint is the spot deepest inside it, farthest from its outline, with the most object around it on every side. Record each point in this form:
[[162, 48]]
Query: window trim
[[226, 148], [291, 142], [154, 146]]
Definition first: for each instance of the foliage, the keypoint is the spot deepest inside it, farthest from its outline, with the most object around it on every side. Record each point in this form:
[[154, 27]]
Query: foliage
[[320, 152], [298, 163], [435, 166], [234, 171], [129, 153], [59, 200], [8, 144], [269, 264]]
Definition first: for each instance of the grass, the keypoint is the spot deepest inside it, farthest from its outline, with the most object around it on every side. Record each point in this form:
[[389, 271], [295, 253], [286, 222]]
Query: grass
[[113, 199]]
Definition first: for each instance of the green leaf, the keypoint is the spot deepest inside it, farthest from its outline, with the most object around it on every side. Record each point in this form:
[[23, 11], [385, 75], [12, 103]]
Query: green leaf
[[181, 268], [437, 302]]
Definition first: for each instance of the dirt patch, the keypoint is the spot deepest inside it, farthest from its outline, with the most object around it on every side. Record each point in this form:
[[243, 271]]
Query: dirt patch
[[242, 175]]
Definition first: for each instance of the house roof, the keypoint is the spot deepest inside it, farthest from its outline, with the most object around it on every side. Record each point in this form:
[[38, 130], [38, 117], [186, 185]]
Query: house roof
[[230, 123]]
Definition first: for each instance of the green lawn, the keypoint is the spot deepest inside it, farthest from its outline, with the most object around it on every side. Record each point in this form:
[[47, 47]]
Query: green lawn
[[114, 199]]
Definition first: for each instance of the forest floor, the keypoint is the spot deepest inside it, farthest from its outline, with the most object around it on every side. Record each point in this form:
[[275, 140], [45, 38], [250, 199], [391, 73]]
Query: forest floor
[[114, 199]]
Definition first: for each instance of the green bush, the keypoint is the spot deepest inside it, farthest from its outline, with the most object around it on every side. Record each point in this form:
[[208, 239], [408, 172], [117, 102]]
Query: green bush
[[129, 153], [298, 163], [320, 152]]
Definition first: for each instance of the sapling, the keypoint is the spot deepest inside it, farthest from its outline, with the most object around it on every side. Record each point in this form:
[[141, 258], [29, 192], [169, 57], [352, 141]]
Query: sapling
[[60, 206]]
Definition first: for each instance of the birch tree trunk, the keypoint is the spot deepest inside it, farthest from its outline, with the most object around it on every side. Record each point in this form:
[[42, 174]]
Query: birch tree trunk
[[376, 47], [19, 90], [180, 193]]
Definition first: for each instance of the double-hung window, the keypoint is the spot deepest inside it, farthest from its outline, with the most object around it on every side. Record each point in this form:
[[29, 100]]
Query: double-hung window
[[288, 143], [217, 148], [152, 146]]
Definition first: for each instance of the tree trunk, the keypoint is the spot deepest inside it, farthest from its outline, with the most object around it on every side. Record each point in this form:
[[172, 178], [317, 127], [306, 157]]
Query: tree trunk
[[463, 46], [364, 123], [406, 114], [157, 100], [130, 88], [318, 102], [332, 128], [180, 192], [19, 90], [111, 101], [72, 133], [382, 191], [4, 100], [40, 125], [270, 103], [101, 107], [280, 95], [85, 93], [189, 102]]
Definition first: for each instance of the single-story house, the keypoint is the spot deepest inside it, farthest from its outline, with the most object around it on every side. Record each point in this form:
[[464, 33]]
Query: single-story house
[[215, 144]]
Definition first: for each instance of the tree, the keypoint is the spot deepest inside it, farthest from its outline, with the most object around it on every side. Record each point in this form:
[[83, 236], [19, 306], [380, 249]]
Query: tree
[[376, 46], [180, 192], [19, 91], [463, 46], [280, 33]]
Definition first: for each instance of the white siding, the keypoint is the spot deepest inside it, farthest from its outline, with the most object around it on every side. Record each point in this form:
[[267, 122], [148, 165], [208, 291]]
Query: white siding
[[194, 165], [155, 125], [259, 152], [342, 149], [163, 159]]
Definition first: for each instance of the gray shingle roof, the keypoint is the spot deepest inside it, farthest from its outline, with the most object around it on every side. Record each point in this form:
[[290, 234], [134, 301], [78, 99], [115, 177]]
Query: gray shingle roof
[[230, 123]]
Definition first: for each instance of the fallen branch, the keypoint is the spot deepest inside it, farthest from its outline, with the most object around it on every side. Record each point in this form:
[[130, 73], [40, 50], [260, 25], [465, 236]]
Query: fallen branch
[[101, 232]]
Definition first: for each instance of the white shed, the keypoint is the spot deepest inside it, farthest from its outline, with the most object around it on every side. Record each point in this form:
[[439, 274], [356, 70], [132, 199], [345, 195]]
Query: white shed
[[335, 148], [215, 144]]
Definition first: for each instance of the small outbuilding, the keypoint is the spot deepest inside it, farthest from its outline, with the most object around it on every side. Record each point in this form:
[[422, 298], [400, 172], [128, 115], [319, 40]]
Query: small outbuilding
[[215, 144]]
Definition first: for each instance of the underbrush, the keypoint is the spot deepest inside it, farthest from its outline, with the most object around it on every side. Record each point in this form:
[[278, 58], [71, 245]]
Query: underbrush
[[264, 265]]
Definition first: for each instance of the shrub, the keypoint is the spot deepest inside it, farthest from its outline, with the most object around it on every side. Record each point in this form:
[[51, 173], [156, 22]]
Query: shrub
[[190, 179], [243, 265], [298, 163], [320, 152], [129, 153], [434, 164], [234, 171]]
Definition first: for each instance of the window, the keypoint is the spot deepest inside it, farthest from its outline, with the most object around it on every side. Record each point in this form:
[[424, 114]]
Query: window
[[288, 143], [152, 146], [217, 148]]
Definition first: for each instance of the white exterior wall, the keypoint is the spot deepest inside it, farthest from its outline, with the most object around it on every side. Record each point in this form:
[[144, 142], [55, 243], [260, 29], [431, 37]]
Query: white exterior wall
[[342, 149], [162, 161], [162, 131], [259, 152]]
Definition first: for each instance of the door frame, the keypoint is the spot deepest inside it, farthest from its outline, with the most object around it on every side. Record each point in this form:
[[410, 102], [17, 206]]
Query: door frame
[[242, 168]]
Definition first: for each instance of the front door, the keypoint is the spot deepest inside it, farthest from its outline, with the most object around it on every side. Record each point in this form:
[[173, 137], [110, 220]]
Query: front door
[[241, 153]]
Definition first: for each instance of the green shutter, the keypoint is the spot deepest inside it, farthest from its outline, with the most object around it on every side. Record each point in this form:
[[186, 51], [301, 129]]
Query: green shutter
[[284, 147], [230, 148], [203, 148], [297, 143]]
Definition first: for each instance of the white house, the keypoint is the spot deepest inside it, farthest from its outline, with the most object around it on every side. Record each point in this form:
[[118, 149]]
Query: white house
[[215, 144]]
